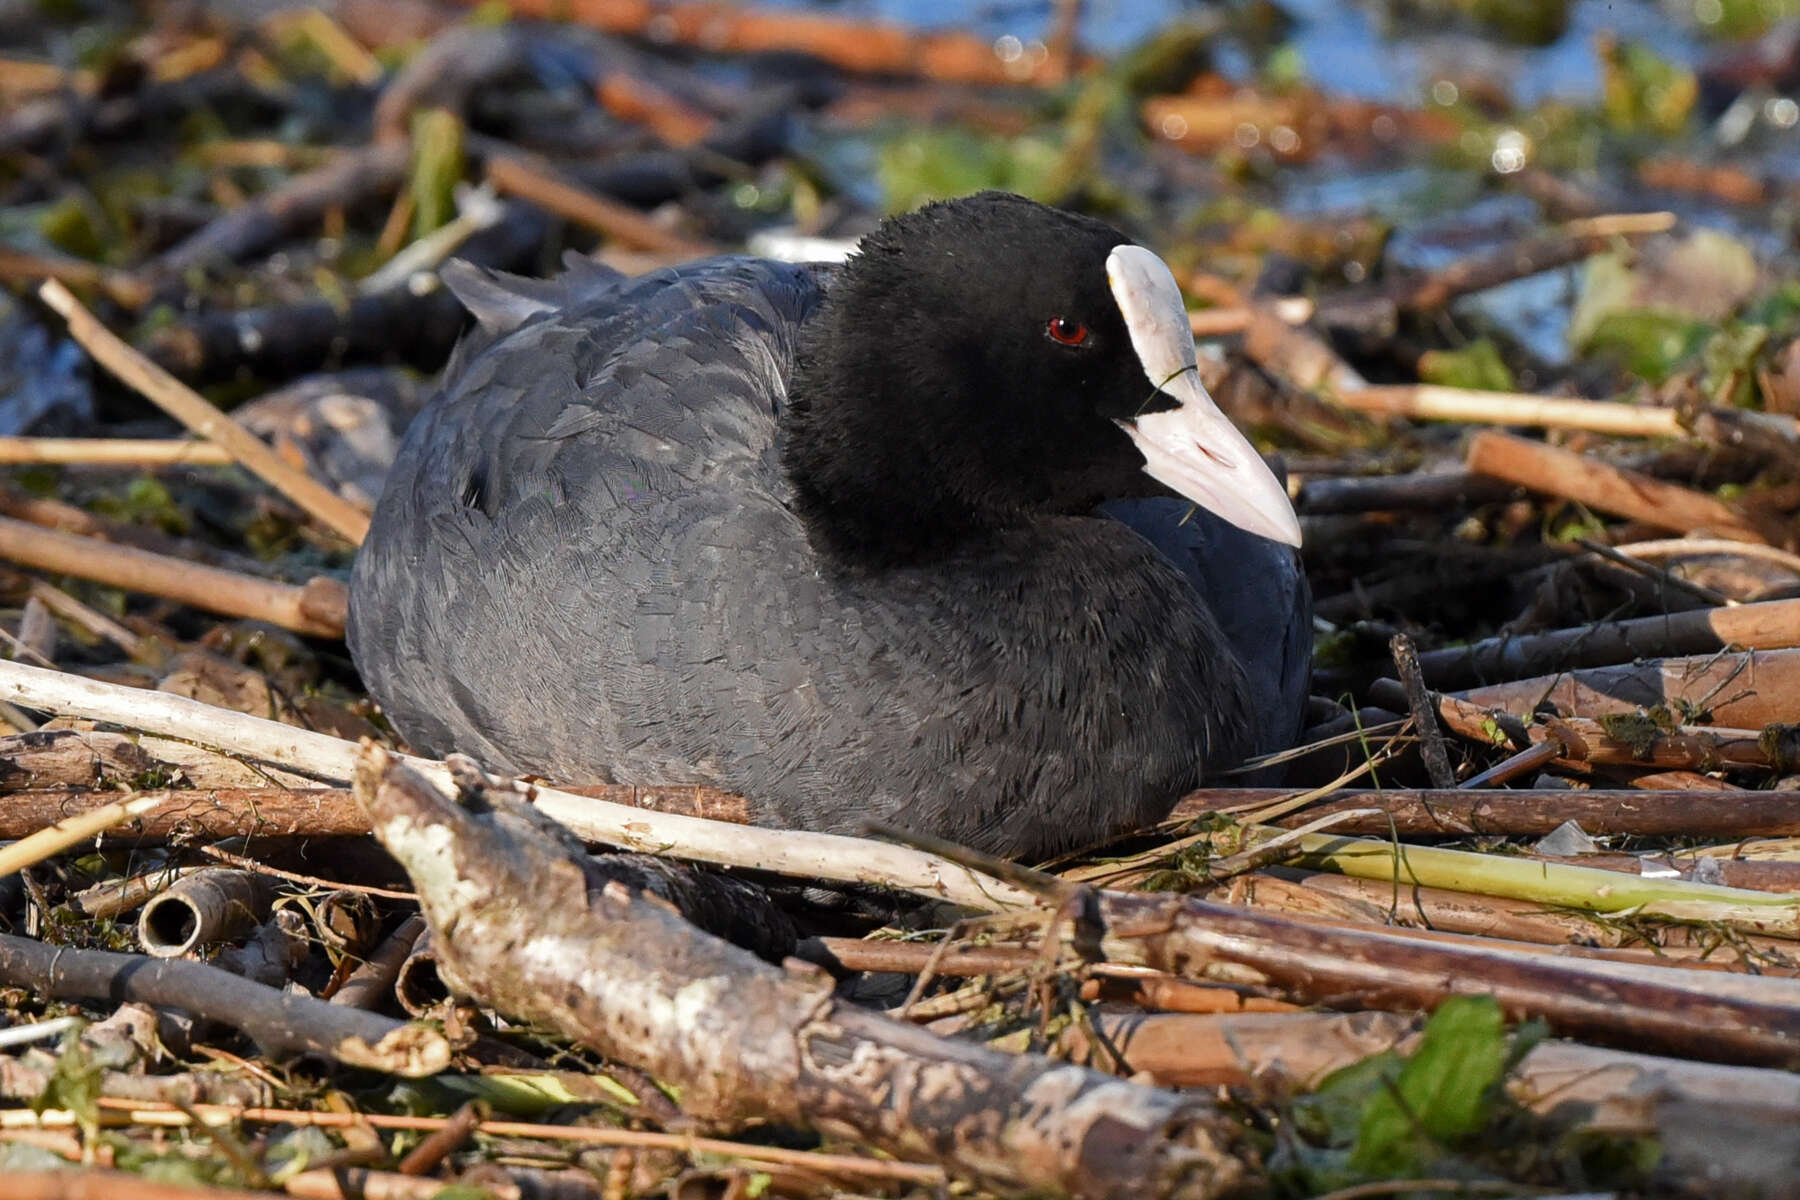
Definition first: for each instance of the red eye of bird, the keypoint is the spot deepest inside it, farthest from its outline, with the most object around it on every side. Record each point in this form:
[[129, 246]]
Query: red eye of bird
[[1069, 333]]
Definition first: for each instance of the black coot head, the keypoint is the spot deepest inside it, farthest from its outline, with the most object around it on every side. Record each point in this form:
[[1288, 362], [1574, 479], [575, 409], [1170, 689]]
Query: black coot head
[[983, 360]]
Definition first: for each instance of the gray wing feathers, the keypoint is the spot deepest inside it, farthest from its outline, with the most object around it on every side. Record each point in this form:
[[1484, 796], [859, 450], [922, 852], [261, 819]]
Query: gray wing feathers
[[532, 497]]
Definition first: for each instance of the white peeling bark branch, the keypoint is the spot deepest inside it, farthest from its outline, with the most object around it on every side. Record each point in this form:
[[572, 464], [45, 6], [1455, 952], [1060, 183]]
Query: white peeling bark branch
[[520, 924], [785, 852]]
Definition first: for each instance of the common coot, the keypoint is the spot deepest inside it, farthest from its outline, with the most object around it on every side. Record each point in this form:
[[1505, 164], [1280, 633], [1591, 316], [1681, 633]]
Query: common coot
[[833, 537]]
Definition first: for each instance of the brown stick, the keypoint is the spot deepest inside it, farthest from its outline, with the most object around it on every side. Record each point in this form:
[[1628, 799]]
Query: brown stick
[[437, 1145], [52, 839], [20, 267], [1110, 983], [1418, 701], [540, 184], [643, 101], [1431, 402], [368, 986], [1150, 989], [1231, 319], [363, 1183], [1658, 575], [163, 1113], [1297, 354], [1529, 759], [1448, 912], [1712, 1124], [1573, 242], [1634, 740], [1766, 625], [332, 812], [203, 419], [1710, 1015], [866, 47], [116, 896], [113, 452], [1678, 780], [1299, 1050], [1371, 311], [1746, 690], [1294, 352], [87, 761], [54, 514], [319, 608], [1462, 813], [1065, 29], [76, 613], [747, 1040], [1381, 910], [280, 1023], [1683, 547], [1623, 493], [286, 210], [1376, 493], [863, 954], [419, 985], [209, 906], [88, 1183], [1730, 184]]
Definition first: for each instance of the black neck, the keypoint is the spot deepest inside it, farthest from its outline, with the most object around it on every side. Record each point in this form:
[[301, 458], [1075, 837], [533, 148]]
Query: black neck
[[865, 512]]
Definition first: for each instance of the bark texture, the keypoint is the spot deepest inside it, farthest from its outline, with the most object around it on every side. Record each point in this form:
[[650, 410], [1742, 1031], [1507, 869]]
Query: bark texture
[[522, 923], [1708, 1015]]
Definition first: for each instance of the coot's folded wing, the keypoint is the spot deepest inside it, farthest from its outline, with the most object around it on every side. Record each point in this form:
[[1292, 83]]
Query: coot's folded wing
[[553, 456]]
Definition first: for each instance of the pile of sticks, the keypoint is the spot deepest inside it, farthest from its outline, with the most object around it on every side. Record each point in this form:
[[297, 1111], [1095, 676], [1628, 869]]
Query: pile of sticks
[[1589, 814]]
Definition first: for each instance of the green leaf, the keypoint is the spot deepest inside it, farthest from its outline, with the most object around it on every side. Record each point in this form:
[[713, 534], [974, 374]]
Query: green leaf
[[1332, 1115], [1643, 92], [1607, 286], [1656, 310], [74, 1085], [1730, 358], [1443, 1094], [920, 166], [75, 224], [1651, 343], [1477, 365], [146, 502], [1735, 20]]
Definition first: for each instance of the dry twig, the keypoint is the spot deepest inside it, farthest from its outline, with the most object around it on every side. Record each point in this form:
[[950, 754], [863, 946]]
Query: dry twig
[[515, 175], [113, 452], [281, 1022], [319, 608], [1462, 812], [1765, 625], [54, 839], [1610, 489], [203, 419]]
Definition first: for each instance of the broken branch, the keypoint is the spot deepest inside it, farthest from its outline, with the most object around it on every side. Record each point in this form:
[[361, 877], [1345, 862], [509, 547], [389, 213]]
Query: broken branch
[[319, 608], [744, 1040]]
